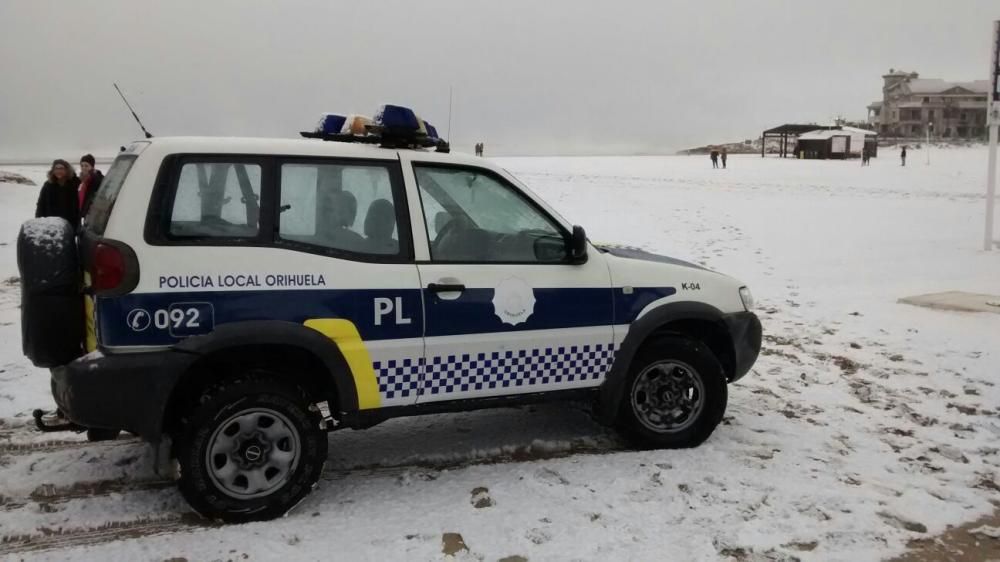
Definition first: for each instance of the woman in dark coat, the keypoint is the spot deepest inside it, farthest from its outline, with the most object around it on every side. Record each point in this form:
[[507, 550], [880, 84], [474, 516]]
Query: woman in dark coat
[[58, 197]]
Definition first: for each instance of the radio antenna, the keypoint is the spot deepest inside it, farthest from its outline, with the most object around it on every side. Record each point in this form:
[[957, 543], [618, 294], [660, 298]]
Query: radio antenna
[[450, 95], [127, 104]]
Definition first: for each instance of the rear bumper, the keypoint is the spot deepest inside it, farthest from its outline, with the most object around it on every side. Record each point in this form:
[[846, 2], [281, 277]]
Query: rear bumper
[[125, 391], [746, 333]]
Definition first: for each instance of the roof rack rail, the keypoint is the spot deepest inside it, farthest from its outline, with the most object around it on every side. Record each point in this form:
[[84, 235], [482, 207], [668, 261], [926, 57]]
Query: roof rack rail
[[384, 141]]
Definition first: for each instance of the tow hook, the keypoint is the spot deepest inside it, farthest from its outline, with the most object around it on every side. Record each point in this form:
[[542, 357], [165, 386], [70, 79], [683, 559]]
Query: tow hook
[[50, 422]]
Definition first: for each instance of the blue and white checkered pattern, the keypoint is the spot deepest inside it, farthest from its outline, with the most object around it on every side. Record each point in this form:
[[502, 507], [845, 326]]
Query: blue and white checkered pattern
[[509, 369], [398, 378]]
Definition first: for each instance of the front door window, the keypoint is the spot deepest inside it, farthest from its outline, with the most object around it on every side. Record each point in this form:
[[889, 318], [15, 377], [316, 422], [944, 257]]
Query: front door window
[[473, 216]]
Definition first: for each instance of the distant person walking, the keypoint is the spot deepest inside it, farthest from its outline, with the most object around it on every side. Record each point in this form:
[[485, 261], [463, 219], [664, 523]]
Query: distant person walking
[[90, 182], [723, 155], [58, 197], [482, 149], [866, 157], [902, 155], [715, 158], [479, 149]]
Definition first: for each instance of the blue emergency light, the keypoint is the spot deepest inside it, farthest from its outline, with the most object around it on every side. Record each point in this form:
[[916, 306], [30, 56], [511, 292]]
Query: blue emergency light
[[330, 123], [397, 119], [431, 131], [393, 126]]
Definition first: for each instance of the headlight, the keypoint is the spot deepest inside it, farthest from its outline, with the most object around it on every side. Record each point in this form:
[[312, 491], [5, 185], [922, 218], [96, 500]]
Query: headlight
[[747, 298]]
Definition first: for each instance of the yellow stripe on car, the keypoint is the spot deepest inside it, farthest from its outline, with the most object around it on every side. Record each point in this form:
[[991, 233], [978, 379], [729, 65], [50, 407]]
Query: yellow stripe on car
[[345, 334], [90, 340]]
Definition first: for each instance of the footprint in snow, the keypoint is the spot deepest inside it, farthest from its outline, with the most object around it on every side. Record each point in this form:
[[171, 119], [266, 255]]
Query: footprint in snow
[[481, 498], [550, 476]]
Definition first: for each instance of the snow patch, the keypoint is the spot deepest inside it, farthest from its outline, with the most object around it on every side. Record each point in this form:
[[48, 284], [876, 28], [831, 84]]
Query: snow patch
[[11, 177], [92, 356], [46, 233]]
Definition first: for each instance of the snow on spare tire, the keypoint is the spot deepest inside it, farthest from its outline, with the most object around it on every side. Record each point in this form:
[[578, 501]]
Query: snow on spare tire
[[52, 322]]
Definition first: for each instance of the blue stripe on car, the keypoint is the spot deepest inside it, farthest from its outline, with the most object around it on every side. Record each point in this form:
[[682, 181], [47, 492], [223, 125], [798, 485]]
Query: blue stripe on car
[[471, 313]]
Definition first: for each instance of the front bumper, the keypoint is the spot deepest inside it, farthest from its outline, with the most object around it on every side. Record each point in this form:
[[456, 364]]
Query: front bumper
[[124, 391], [746, 333]]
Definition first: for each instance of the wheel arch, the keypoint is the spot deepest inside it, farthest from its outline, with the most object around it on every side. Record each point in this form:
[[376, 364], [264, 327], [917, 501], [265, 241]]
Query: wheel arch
[[690, 319], [307, 357]]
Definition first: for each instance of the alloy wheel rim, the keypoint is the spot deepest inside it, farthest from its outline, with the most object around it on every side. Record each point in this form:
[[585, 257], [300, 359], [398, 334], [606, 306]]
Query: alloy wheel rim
[[668, 396]]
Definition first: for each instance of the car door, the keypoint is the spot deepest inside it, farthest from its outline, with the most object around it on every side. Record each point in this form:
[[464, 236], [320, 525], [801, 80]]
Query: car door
[[349, 217], [505, 311]]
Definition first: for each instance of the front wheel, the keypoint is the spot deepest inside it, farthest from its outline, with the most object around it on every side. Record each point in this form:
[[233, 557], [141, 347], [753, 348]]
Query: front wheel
[[251, 450], [675, 394]]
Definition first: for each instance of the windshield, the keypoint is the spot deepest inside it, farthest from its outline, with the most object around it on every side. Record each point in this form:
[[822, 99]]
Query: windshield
[[97, 219]]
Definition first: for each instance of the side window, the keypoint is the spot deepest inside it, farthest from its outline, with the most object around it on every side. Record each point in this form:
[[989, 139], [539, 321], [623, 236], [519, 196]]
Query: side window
[[216, 200], [345, 207], [474, 216]]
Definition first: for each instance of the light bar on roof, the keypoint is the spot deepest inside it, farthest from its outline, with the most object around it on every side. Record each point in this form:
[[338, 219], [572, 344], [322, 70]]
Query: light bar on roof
[[357, 125], [393, 126]]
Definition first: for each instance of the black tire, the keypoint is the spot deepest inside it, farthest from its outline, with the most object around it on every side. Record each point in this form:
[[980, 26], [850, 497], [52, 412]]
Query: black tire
[[208, 424], [52, 317], [692, 366]]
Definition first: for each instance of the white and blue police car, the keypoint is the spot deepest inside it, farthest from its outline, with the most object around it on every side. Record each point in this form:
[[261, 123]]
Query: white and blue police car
[[243, 297]]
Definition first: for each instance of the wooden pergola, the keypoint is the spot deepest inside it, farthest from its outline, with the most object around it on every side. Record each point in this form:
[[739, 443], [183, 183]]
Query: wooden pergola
[[787, 132]]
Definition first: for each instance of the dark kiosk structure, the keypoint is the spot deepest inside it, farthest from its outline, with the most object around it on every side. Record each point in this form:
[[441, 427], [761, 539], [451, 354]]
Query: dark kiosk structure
[[788, 134], [822, 141]]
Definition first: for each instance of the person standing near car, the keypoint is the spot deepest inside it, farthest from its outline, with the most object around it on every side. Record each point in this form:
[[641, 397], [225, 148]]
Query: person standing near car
[[90, 182], [58, 197]]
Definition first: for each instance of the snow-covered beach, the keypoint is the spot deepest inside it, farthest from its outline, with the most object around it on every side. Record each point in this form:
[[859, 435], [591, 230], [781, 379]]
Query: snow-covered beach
[[865, 424]]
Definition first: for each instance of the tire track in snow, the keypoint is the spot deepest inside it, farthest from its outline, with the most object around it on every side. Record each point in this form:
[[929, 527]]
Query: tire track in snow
[[55, 539], [52, 445], [50, 494], [46, 496]]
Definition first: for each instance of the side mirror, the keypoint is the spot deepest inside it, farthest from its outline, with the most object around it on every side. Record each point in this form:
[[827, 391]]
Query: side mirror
[[578, 246]]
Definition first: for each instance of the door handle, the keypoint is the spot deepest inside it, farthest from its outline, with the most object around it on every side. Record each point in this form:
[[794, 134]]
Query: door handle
[[445, 287]]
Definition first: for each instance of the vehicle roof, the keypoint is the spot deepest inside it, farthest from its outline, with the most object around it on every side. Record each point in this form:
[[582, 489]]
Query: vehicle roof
[[293, 147]]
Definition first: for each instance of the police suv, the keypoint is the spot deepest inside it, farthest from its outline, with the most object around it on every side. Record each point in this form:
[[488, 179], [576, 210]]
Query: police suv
[[243, 297]]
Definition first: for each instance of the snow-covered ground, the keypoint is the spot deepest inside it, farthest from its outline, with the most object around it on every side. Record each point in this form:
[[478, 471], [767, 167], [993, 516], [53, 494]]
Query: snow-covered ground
[[865, 423]]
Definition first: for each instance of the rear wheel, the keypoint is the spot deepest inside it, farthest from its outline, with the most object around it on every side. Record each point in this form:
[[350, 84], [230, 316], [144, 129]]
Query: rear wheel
[[675, 394], [251, 450]]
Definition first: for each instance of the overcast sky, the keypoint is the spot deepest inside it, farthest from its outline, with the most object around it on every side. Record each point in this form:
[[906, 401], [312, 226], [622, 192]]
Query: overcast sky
[[528, 77]]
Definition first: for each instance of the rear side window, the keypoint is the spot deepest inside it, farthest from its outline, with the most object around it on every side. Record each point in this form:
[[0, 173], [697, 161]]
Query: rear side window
[[353, 208], [216, 200], [104, 201]]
